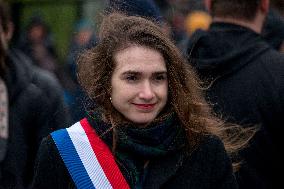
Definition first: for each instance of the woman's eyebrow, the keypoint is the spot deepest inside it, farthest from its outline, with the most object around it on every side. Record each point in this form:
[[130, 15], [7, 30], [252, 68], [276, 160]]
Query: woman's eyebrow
[[131, 72], [160, 72]]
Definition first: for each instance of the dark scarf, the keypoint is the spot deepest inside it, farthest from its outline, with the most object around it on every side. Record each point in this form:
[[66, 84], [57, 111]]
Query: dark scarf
[[136, 146]]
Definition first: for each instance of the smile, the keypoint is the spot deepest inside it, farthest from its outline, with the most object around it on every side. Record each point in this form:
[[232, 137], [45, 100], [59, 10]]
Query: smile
[[145, 106]]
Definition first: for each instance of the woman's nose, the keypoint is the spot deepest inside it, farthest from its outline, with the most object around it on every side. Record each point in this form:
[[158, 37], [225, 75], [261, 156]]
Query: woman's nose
[[146, 92]]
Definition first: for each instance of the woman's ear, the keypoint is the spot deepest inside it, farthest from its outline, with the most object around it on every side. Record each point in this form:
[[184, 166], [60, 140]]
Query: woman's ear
[[109, 91]]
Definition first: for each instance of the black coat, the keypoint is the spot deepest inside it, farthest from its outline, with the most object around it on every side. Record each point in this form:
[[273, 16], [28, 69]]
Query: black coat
[[35, 109], [247, 88], [207, 167]]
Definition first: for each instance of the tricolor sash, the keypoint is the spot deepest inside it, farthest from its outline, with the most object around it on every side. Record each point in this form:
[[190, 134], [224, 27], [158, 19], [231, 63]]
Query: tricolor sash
[[87, 158]]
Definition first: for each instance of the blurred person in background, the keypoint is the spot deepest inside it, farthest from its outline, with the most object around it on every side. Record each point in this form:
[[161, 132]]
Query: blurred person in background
[[245, 81], [195, 20], [83, 39], [273, 30], [144, 8], [38, 45], [31, 106], [278, 6]]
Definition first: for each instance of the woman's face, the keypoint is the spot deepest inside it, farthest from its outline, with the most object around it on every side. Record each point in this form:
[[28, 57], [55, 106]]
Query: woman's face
[[139, 84]]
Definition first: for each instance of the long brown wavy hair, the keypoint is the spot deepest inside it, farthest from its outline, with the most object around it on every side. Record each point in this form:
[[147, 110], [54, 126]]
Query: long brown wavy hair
[[185, 96]]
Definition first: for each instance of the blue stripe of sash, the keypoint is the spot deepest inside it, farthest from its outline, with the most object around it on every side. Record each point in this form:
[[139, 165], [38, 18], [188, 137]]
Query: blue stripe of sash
[[72, 160]]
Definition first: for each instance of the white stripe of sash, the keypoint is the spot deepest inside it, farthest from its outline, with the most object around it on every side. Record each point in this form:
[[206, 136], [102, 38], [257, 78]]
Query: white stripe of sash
[[88, 157]]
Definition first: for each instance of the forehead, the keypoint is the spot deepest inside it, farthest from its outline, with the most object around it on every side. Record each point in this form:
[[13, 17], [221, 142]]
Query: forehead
[[140, 59]]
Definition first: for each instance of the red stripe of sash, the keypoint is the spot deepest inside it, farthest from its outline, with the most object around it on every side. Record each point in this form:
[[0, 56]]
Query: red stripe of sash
[[105, 158]]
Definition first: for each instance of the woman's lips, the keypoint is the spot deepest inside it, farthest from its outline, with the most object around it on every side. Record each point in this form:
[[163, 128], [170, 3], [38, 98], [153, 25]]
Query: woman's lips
[[145, 106]]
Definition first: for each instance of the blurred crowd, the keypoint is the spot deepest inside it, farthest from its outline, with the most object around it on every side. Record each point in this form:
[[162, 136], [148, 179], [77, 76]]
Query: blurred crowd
[[56, 100], [180, 18]]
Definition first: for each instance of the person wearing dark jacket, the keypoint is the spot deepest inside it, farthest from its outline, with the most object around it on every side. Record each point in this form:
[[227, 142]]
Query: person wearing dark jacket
[[31, 107], [151, 126], [245, 80], [207, 167]]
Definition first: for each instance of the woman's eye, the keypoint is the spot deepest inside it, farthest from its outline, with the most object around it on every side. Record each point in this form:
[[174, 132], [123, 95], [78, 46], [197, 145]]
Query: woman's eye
[[131, 78], [160, 77]]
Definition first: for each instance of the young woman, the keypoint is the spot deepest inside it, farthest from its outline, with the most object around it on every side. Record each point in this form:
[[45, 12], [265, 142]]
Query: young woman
[[150, 128]]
